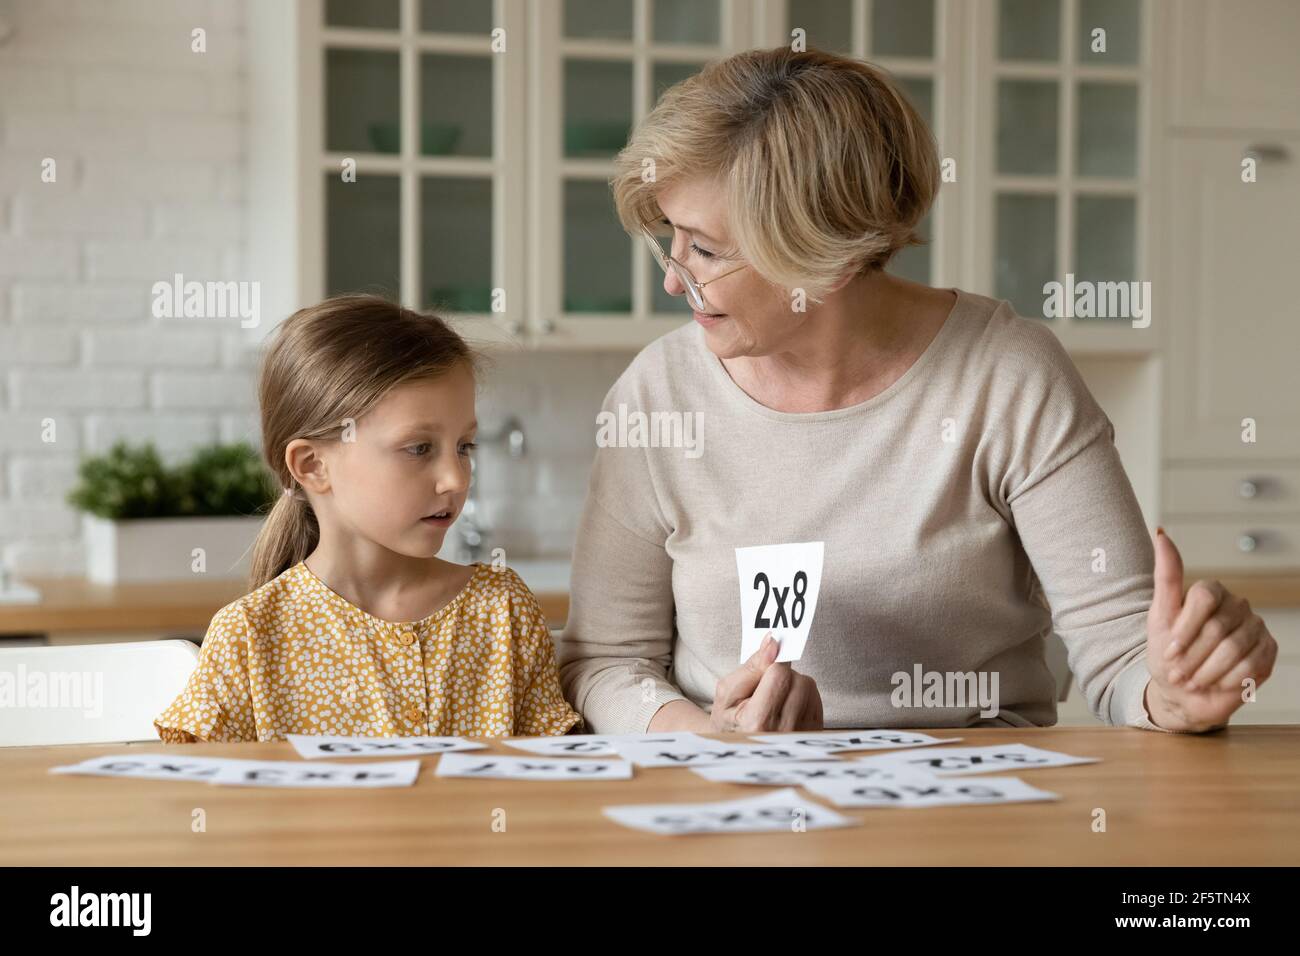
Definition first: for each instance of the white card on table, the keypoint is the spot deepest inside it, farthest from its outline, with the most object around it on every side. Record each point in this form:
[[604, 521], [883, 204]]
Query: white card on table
[[798, 774], [589, 745], [955, 761], [779, 584], [293, 773], [845, 740], [313, 746], [923, 790], [713, 752], [147, 766], [532, 768], [783, 811]]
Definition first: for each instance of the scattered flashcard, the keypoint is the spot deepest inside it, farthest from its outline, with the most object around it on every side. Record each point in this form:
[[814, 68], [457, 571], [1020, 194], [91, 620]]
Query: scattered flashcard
[[780, 811], [779, 584], [253, 773], [954, 761], [713, 752], [532, 768], [798, 774], [846, 740], [923, 790], [312, 746], [286, 773], [589, 745], [147, 766]]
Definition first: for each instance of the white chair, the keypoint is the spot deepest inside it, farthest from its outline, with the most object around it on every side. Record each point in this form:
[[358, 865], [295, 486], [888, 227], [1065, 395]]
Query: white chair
[[89, 693]]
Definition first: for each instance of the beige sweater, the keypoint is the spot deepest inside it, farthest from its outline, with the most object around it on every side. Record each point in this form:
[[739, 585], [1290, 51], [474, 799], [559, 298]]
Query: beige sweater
[[956, 507]]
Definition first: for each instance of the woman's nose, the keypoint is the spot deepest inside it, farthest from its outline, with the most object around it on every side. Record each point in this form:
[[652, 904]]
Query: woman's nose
[[673, 283]]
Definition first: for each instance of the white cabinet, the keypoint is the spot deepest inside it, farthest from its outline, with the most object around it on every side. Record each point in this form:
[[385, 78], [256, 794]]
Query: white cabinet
[[483, 133], [1236, 65], [1232, 398], [1235, 337]]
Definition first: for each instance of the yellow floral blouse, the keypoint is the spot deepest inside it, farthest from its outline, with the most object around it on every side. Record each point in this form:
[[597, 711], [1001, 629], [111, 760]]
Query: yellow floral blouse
[[294, 657]]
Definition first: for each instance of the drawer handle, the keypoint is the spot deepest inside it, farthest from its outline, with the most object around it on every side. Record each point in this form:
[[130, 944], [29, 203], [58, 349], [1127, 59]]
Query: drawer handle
[[1266, 151], [1248, 488], [1247, 543]]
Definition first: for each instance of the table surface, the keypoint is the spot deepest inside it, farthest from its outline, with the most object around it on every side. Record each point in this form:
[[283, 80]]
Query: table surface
[[1228, 798]]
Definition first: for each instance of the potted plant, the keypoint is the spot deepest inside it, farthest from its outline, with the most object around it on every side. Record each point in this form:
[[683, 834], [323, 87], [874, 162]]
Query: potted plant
[[146, 521]]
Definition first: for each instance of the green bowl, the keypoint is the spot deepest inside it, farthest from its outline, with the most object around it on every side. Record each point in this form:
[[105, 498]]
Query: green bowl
[[436, 139], [461, 298], [595, 137]]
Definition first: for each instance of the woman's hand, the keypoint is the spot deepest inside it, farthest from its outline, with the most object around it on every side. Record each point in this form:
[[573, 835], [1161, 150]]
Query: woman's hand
[[762, 695], [1201, 650]]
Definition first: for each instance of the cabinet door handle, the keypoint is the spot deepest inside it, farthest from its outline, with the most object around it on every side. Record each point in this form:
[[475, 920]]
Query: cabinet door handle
[[1248, 488], [1247, 543], [1273, 152]]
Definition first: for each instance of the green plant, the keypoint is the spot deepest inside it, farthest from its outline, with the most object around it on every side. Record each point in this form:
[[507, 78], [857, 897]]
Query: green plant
[[224, 480], [131, 482]]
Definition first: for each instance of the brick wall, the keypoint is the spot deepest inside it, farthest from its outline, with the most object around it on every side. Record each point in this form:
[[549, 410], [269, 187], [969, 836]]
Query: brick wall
[[149, 139]]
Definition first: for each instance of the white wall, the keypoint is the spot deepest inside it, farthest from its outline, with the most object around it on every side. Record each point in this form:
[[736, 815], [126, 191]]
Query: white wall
[[150, 144], [147, 138]]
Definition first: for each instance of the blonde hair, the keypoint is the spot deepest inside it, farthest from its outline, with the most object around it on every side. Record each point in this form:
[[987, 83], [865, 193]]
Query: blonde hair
[[329, 362], [828, 167]]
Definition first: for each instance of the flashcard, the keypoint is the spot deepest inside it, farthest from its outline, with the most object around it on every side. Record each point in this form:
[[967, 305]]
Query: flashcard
[[927, 791], [531, 768], [797, 774], [253, 773], [312, 746], [783, 811], [955, 761], [713, 752], [147, 766], [846, 740], [292, 773], [591, 745], [778, 593]]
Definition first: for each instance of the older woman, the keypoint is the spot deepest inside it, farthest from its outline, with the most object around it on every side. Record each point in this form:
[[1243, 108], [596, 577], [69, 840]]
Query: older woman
[[964, 481]]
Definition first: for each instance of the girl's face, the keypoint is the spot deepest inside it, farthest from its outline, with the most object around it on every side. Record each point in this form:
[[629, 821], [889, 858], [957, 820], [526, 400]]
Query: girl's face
[[748, 315], [402, 479]]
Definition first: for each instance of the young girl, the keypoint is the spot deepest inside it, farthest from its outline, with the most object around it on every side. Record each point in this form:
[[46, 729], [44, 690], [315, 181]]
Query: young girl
[[354, 625]]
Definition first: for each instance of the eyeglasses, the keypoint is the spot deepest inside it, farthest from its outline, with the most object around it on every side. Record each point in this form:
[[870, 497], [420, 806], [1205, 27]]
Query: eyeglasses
[[694, 288]]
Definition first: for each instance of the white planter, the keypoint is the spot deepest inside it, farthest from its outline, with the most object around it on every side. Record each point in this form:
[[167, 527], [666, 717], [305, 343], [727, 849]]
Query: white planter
[[166, 549]]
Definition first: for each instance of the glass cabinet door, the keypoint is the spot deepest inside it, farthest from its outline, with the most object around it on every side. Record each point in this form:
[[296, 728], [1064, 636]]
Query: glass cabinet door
[[607, 63], [901, 37], [1068, 84], [411, 105]]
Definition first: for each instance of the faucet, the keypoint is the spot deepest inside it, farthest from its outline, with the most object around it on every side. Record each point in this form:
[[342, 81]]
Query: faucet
[[471, 529]]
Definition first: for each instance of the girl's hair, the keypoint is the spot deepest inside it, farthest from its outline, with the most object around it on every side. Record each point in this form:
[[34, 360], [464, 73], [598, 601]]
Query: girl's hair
[[332, 362], [826, 165]]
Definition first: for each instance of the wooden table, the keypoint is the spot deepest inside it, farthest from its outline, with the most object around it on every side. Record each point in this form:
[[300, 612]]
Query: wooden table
[[1230, 798]]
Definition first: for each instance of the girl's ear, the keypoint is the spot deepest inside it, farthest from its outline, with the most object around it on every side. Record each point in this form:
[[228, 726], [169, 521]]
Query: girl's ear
[[306, 465]]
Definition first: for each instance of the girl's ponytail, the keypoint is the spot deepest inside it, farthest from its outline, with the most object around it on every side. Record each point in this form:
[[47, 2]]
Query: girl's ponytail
[[287, 536]]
